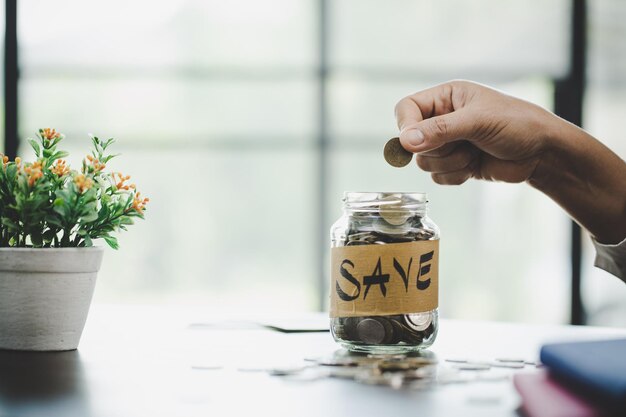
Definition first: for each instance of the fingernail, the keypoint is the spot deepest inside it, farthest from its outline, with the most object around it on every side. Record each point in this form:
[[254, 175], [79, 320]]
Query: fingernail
[[414, 137]]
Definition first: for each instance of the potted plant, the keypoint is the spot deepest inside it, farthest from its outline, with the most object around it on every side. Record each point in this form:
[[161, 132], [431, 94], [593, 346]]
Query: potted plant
[[50, 216]]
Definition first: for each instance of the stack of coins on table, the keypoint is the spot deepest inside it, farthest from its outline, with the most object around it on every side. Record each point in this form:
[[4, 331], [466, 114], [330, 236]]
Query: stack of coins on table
[[417, 370]]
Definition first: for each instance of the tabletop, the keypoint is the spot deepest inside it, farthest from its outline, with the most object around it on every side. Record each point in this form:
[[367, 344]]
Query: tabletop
[[164, 361]]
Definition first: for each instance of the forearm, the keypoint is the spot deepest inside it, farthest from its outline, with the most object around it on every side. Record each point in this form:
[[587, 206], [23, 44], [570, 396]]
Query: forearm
[[585, 178]]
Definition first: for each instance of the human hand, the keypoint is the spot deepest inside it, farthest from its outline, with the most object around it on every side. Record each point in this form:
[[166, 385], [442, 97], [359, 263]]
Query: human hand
[[463, 130]]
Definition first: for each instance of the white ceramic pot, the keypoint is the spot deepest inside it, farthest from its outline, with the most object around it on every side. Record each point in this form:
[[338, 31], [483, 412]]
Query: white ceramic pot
[[45, 296]]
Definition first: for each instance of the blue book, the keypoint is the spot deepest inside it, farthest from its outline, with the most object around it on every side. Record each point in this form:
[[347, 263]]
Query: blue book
[[596, 369]]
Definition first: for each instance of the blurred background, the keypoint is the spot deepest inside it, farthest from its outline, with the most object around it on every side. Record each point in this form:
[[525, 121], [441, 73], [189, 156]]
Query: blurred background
[[245, 120]]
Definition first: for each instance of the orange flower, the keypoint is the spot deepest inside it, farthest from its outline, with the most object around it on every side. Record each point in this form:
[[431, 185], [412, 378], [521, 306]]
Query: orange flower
[[60, 168], [5, 160], [49, 134], [139, 204], [120, 182], [83, 183], [93, 164], [33, 171]]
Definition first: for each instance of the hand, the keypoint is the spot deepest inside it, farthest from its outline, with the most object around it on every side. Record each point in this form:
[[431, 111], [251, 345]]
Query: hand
[[463, 130]]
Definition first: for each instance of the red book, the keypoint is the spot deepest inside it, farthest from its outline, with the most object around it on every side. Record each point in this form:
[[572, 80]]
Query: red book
[[542, 396]]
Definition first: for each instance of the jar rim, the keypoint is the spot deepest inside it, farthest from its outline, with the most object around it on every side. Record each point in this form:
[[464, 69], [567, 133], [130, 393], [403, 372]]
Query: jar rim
[[364, 200]]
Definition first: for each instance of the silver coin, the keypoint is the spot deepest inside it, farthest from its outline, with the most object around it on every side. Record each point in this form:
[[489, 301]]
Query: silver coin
[[392, 211], [381, 226], [398, 331], [388, 329], [472, 367], [418, 321], [408, 364], [357, 243], [510, 365], [457, 360], [360, 236], [371, 331], [406, 334], [339, 331]]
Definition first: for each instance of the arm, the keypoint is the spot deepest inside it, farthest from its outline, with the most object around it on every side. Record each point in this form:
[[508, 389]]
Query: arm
[[463, 130], [585, 178]]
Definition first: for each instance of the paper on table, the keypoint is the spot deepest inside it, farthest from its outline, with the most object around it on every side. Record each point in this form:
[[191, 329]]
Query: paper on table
[[298, 325]]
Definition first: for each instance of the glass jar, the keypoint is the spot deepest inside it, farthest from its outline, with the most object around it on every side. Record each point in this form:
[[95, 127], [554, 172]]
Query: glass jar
[[384, 273]]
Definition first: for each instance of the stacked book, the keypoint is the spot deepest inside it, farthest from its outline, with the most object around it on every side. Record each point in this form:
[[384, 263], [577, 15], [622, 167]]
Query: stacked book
[[582, 379]]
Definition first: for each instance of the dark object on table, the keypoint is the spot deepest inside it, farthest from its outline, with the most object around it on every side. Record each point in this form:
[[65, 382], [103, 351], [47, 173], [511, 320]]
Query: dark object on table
[[596, 370]]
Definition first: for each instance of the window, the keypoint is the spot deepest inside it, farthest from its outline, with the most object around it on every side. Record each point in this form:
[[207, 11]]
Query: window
[[216, 108], [604, 295]]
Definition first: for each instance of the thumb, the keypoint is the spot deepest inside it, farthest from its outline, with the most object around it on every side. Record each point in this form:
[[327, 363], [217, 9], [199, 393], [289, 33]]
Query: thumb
[[436, 131]]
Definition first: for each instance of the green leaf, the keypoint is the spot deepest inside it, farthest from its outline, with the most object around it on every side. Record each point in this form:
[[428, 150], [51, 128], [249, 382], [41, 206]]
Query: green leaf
[[10, 224], [59, 155], [126, 220], [87, 241], [54, 222], [89, 217], [61, 208], [109, 157], [35, 146], [57, 140], [111, 241], [11, 170]]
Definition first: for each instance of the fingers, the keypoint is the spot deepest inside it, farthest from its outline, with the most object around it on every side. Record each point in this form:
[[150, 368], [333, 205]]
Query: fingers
[[454, 158], [453, 178], [424, 104], [443, 150], [451, 164], [408, 113], [437, 131], [433, 117]]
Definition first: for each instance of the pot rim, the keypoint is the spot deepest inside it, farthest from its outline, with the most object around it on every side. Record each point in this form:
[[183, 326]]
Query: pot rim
[[50, 260], [67, 249]]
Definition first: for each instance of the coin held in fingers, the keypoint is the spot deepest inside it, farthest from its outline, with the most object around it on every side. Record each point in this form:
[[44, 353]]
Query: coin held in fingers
[[395, 154]]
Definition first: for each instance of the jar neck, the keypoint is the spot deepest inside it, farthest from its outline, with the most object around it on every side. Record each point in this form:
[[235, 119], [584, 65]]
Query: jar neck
[[375, 202]]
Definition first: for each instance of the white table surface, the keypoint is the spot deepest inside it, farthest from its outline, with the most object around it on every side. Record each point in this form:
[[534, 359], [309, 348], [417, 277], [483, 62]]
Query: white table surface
[[148, 361]]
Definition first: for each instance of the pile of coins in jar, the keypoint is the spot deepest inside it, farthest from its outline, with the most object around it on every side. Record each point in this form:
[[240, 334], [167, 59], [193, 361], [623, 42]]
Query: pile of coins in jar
[[372, 220], [412, 329]]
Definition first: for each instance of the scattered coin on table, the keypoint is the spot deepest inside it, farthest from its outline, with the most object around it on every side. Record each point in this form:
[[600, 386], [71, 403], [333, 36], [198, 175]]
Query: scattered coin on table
[[417, 371]]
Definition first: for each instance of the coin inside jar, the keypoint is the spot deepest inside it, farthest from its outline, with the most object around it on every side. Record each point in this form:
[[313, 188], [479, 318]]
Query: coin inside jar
[[381, 226], [392, 211], [395, 154], [418, 321], [371, 331], [374, 219]]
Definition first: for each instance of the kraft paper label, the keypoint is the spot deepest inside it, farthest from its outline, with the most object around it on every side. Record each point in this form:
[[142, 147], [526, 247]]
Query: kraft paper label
[[376, 280]]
